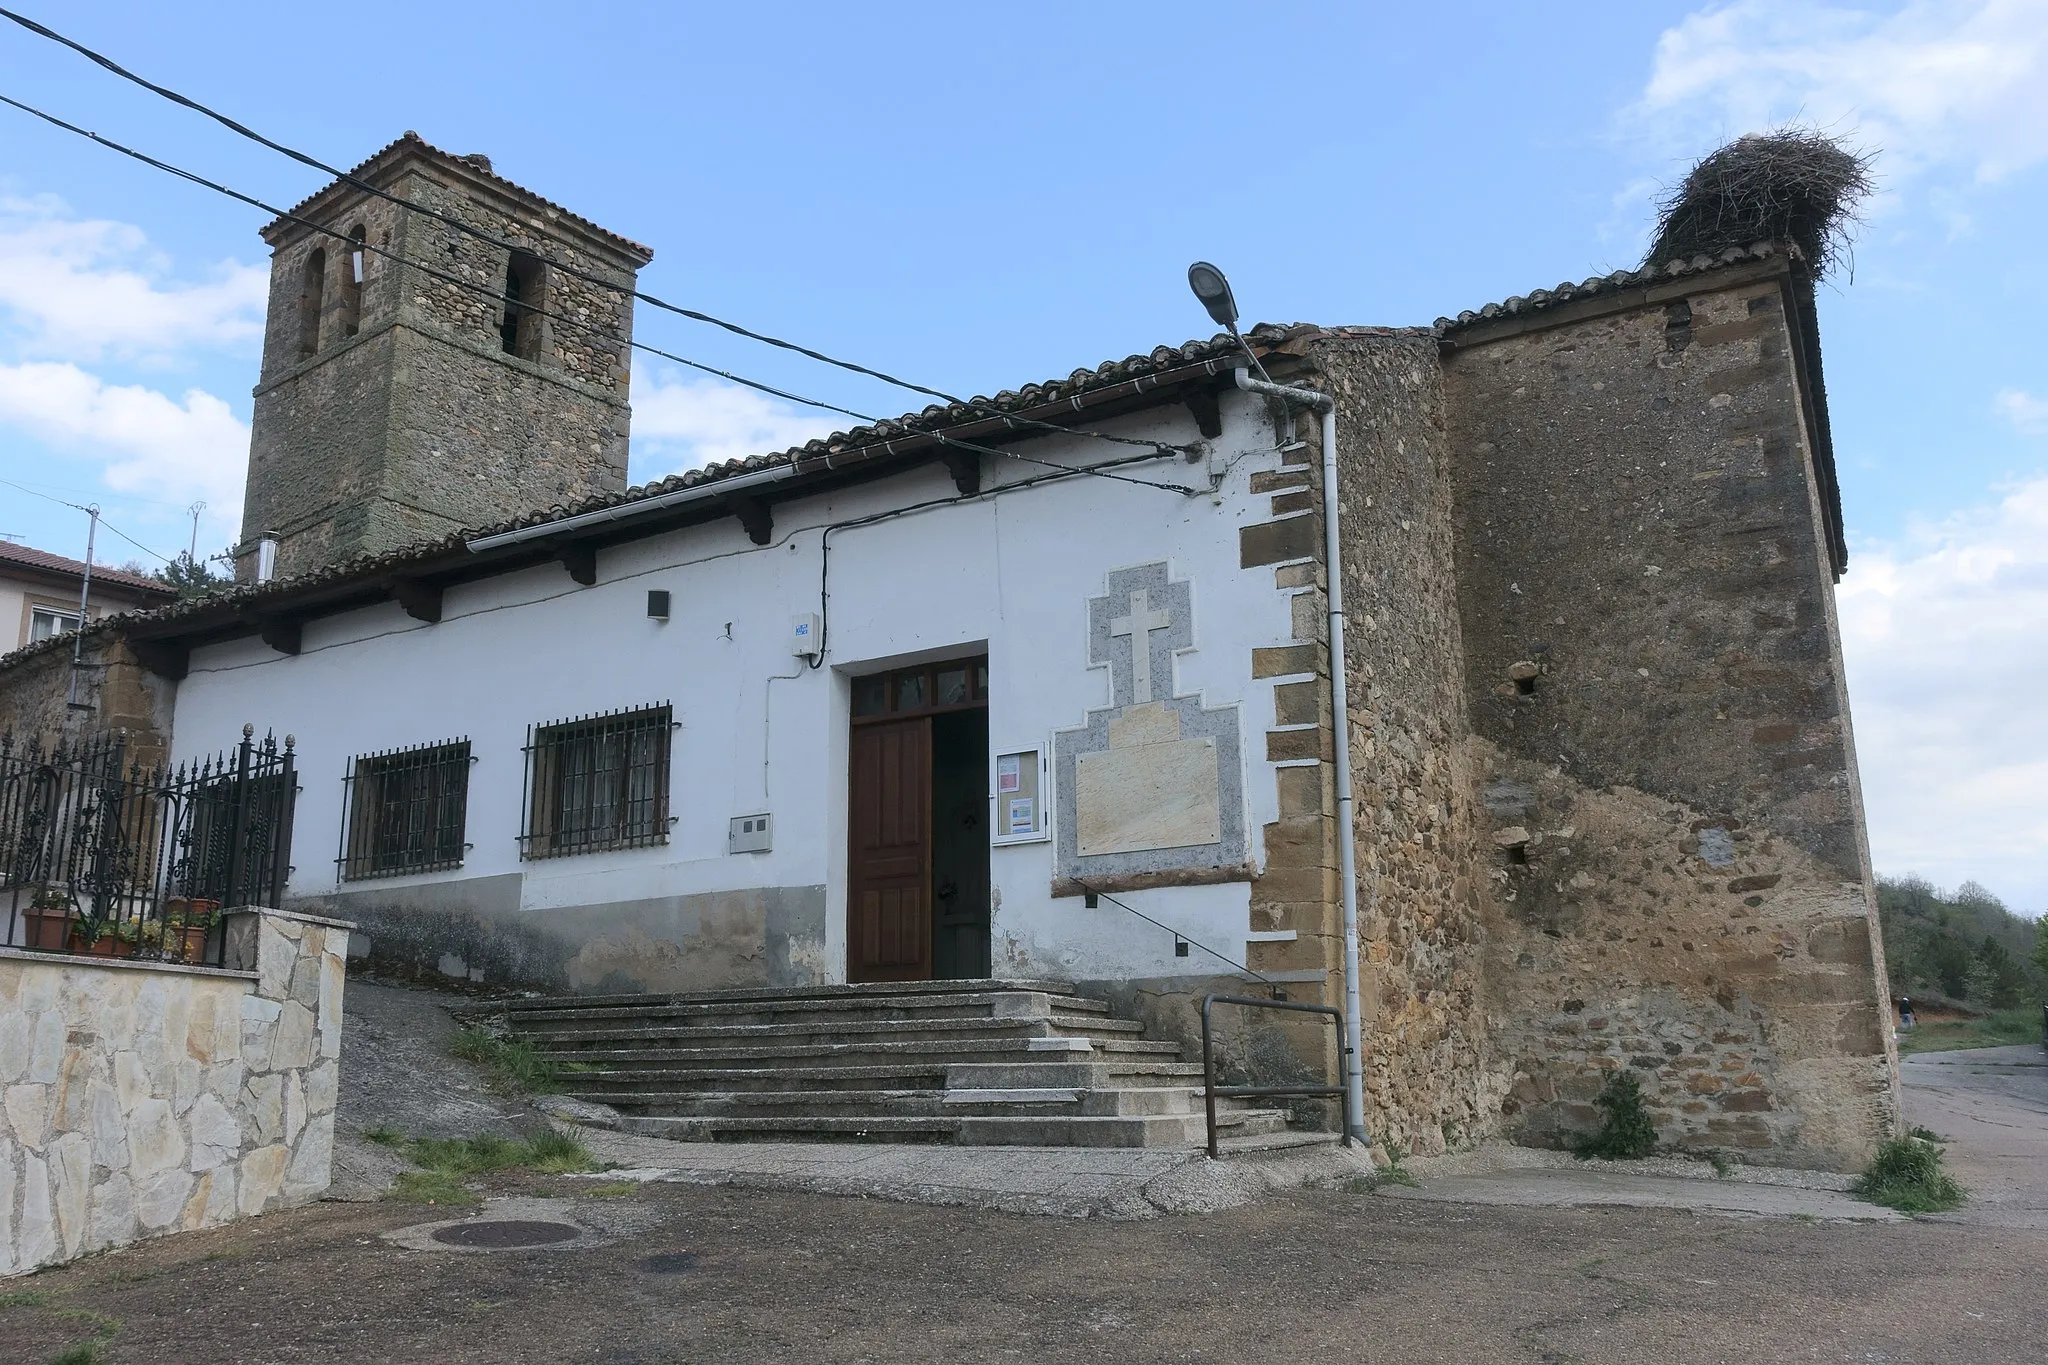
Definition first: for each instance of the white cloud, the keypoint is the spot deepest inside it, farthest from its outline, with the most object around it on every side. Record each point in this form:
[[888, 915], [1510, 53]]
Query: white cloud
[[2028, 414], [78, 288], [1937, 81], [682, 424], [1946, 637], [146, 443]]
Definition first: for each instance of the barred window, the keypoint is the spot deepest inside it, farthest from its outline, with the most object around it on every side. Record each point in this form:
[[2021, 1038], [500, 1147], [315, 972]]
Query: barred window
[[598, 782], [405, 811]]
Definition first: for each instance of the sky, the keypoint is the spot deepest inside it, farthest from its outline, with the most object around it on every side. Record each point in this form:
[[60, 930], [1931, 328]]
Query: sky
[[979, 196]]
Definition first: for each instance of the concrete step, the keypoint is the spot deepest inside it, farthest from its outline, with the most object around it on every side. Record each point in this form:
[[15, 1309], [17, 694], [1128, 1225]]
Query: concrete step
[[1087, 1074], [895, 1103], [876, 1052], [864, 1129], [847, 1079], [1150, 1130], [656, 1010], [835, 1031], [863, 991]]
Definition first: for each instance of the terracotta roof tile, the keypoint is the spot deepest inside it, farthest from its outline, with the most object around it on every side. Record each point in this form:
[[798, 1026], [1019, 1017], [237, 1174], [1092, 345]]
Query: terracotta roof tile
[[413, 142], [29, 557], [1537, 300]]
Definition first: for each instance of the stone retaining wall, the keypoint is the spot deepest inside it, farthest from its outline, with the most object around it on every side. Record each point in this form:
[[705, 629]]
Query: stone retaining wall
[[145, 1098]]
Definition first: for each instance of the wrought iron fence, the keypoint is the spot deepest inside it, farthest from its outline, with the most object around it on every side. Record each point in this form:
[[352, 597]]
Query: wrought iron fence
[[105, 856]]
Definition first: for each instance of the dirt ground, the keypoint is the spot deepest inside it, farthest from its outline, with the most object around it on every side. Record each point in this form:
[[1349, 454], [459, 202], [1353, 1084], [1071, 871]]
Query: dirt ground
[[663, 1273], [1312, 1277]]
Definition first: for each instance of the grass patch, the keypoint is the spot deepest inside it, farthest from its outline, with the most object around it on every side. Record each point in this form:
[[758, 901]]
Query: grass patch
[[31, 1298], [1906, 1175], [2002, 1028], [514, 1067], [431, 1187], [384, 1137], [445, 1162], [84, 1353], [1925, 1134], [1627, 1134], [1723, 1164]]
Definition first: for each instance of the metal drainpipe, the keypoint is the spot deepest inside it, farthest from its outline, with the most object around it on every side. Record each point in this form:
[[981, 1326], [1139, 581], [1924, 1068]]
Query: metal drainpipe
[[1340, 709]]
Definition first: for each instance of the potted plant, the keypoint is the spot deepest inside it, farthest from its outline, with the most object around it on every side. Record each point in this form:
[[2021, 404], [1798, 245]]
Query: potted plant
[[48, 919], [94, 935], [186, 924]]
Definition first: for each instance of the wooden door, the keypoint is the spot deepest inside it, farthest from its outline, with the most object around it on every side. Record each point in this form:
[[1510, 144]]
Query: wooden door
[[889, 902]]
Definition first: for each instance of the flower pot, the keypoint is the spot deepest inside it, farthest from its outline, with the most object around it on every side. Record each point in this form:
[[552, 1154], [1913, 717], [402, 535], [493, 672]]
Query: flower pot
[[106, 945], [46, 929], [184, 944]]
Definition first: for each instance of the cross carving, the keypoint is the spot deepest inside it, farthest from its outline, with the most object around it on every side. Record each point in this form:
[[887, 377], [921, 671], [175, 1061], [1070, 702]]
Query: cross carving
[[1139, 625]]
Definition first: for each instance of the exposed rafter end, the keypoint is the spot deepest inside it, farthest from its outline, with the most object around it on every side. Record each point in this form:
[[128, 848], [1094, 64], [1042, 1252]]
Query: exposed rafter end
[[420, 600], [580, 559], [755, 517], [168, 661], [965, 467], [281, 635]]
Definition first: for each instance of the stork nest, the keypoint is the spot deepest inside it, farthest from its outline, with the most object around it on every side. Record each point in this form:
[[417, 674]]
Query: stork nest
[[1793, 185]]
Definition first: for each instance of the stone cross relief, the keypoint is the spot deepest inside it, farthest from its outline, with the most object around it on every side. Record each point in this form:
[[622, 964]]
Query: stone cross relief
[[1138, 628], [1146, 774]]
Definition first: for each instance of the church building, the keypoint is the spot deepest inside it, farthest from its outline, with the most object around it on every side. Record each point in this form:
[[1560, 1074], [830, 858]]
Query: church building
[[1039, 687]]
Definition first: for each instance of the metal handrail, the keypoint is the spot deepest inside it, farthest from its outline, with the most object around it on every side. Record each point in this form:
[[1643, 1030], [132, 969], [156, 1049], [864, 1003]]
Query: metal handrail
[[1210, 1090]]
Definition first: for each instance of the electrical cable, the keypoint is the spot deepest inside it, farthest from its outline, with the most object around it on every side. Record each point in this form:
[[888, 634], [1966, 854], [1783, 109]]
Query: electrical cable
[[1157, 450], [81, 507], [305, 159]]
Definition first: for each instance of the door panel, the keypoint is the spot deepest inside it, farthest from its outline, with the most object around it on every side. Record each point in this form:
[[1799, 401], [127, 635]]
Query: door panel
[[889, 867]]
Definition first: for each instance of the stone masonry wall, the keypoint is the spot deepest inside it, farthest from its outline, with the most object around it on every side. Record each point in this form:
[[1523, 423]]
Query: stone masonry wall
[[1677, 877], [138, 1099], [1429, 1082], [420, 424], [118, 692]]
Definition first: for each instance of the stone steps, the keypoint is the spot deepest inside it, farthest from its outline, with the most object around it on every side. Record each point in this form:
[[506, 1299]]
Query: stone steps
[[979, 1063], [565, 1044]]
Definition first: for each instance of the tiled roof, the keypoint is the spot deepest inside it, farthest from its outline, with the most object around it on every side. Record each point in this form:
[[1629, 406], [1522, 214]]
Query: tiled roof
[[475, 165], [1521, 305], [29, 557], [1268, 338]]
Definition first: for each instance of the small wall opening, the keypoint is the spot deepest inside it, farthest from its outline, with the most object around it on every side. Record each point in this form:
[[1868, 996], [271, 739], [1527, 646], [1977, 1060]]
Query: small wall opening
[[352, 284], [1525, 686], [312, 287], [1518, 854], [525, 299]]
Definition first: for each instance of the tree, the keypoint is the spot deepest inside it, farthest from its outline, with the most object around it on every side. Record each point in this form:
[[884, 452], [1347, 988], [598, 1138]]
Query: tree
[[193, 577], [2040, 953]]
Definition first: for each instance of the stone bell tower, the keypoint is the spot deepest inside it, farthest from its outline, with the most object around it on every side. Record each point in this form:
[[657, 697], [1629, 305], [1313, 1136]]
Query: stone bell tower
[[397, 405]]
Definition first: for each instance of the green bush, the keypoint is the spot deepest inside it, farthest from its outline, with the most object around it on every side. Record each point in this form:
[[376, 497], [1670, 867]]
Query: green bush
[[514, 1067], [1628, 1133], [1906, 1175]]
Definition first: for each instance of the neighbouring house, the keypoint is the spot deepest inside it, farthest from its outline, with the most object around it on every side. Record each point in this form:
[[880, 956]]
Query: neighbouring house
[[39, 593], [1038, 686]]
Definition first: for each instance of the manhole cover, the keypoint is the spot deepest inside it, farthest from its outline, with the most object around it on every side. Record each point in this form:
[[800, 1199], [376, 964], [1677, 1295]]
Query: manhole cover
[[505, 1234], [668, 1262]]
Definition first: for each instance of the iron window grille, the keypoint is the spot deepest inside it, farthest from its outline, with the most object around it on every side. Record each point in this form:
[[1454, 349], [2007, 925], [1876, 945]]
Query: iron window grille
[[598, 782], [405, 811]]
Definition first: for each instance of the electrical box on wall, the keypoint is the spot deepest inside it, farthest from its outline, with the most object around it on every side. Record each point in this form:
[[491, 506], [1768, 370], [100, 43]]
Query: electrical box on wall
[[805, 635], [747, 834]]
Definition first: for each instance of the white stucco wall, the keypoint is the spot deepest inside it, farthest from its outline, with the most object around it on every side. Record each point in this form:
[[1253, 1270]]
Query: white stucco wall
[[1012, 572]]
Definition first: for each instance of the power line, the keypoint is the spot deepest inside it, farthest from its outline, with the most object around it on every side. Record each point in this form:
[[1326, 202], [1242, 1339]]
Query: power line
[[90, 511], [306, 159], [592, 328]]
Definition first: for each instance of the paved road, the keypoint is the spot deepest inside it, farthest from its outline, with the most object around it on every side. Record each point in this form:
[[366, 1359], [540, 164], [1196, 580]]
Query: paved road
[[1992, 1105]]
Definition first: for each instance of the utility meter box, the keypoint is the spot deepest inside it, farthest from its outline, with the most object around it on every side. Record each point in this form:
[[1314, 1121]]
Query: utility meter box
[[805, 635], [747, 834]]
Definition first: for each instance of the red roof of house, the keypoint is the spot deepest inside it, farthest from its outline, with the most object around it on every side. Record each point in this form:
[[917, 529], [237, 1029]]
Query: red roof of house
[[127, 584]]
